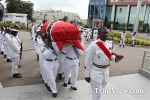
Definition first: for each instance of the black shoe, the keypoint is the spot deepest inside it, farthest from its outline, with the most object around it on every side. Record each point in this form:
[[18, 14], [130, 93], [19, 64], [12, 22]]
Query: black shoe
[[17, 75], [2, 52], [69, 82], [37, 57], [8, 60], [19, 66], [132, 45], [54, 94], [74, 88], [123, 46], [65, 85], [60, 76], [4, 56], [120, 46]]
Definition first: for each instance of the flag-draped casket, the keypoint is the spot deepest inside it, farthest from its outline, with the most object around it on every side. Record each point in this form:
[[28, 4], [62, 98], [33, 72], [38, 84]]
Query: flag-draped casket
[[62, 33]]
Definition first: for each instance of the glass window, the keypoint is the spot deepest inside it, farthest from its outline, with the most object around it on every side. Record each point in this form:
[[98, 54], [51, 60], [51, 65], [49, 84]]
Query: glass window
[[131, 0], [111, 0], [126, 0], [116, 0], [121, 0]]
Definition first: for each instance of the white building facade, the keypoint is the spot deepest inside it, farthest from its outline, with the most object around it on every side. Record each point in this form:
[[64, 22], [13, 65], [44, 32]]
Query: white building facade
[[16, 18], [54, 15]]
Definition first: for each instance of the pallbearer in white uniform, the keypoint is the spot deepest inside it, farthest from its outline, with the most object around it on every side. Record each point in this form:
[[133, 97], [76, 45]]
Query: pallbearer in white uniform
[[97, 60], [72, 64], [62, 64], [51, 64]]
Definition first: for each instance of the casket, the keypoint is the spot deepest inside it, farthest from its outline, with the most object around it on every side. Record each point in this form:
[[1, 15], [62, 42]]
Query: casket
[[62, 33]]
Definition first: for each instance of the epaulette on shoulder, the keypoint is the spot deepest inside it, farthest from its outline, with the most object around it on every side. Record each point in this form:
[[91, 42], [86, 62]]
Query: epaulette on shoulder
[[43, 50], [11, 37]]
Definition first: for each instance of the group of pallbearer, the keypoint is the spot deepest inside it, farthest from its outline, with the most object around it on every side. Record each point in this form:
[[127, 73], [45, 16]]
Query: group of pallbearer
[[52, 62]]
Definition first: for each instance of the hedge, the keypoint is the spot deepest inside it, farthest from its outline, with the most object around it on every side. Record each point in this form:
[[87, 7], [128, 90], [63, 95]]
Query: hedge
[[115, 36], [11, 25]]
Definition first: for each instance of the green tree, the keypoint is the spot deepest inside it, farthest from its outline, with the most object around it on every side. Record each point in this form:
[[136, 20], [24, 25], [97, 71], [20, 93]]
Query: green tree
[[18, 6]]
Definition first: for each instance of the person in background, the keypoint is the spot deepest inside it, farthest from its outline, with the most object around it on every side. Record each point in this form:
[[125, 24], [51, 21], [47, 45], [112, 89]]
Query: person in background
[[122, 38], [133, 38], [14, 53]]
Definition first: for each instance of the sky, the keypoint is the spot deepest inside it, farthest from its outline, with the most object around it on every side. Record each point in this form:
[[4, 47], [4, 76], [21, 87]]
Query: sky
[[74, 6]]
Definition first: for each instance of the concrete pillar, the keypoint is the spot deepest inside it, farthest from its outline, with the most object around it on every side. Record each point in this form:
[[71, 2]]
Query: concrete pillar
[[136, 24], [127, 15], [144, 12], [113, 15]]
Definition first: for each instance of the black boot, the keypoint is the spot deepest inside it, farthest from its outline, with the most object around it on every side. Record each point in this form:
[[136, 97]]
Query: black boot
[[8, 60], [4, 56], [60, 76], [17, 75], [54, 94], [19, 66], [74, 88], [65, 85], [2, 52], [123, 46], [120, 46], [37, 57]]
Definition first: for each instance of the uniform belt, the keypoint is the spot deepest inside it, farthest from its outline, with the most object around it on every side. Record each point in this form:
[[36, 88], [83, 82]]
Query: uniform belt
[[100, 66], [63, 53], [51, 60], [71, 58]]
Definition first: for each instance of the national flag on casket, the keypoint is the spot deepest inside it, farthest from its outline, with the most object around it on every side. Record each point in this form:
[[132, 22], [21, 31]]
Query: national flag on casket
[[62, 33]]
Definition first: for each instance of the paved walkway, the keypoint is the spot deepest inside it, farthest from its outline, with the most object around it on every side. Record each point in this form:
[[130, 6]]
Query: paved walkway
[[126, 87]]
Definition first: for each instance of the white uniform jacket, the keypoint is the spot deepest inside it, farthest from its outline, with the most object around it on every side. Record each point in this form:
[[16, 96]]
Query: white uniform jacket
[[62, 54], [134, 37], [96, 55], [123, 35], [7, 38], [48, 55], [14, 47], [71, 54]]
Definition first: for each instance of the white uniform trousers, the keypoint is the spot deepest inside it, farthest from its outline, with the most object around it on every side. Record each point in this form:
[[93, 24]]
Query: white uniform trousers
[[73, 69], [44, 75], [36, 48], [6, 49], [41, 63], [51, 72], [133, 41], [96, 87], [122, 41], [1, 46], [94, 37], [62, 65], [82, 42], [15, 63], [88, 38]]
